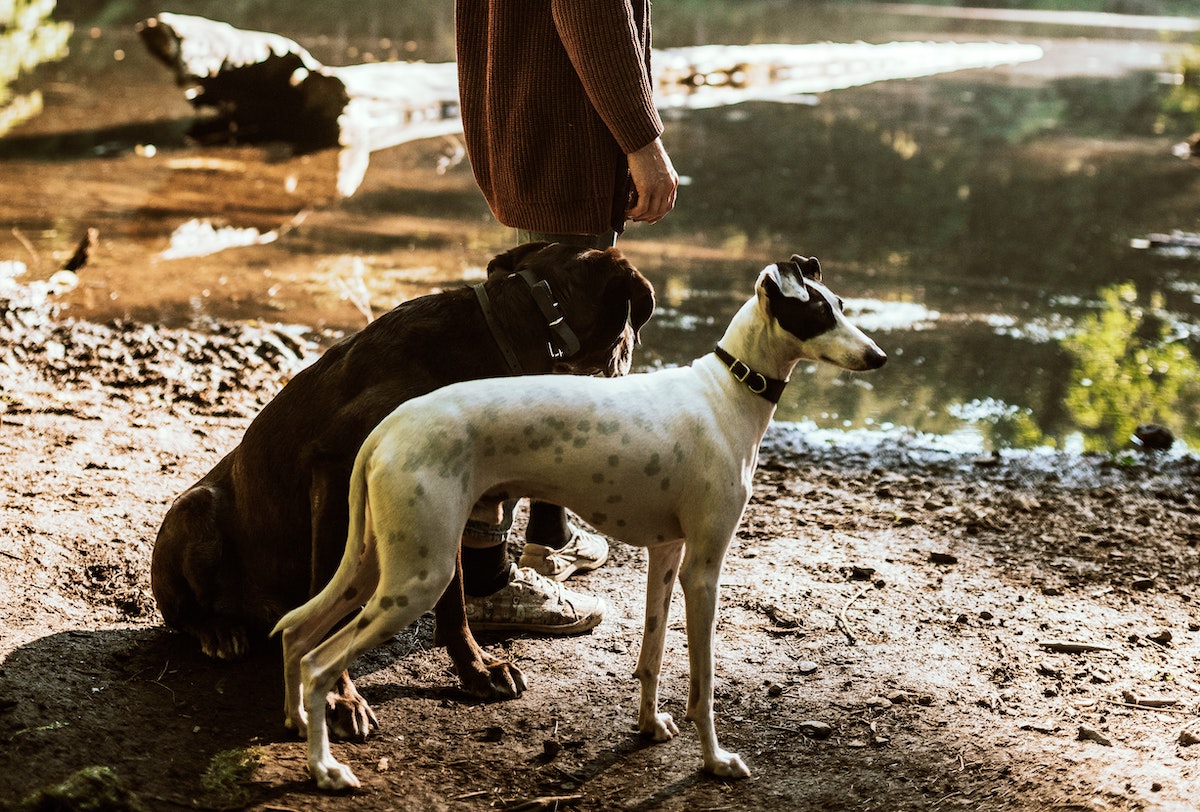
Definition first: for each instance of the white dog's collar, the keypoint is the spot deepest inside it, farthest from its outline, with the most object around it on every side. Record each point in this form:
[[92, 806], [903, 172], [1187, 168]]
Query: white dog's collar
[[770, 389]]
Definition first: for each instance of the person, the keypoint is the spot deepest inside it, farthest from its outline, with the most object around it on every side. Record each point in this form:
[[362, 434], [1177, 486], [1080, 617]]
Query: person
[[565, 142]]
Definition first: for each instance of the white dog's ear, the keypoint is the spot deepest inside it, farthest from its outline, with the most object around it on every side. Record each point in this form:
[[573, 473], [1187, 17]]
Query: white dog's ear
[[782, 279], [809, 267]]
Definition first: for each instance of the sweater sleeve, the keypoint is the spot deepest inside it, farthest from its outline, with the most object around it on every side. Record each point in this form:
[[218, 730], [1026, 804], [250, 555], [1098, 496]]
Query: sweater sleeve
[[611, 56]]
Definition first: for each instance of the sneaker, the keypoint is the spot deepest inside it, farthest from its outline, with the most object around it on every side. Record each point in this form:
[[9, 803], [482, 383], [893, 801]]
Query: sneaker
[[583, 553], [531, 603]]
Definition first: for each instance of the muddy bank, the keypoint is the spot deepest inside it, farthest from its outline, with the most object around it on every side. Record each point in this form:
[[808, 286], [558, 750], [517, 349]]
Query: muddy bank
[[902, 627]]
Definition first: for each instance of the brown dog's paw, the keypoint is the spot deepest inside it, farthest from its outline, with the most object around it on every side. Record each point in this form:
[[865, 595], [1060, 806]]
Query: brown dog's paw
[[347, 713], [223, 642], [493, 679]]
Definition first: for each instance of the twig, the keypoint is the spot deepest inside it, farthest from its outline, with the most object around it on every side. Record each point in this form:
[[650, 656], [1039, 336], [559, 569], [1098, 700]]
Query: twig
[[1139, 706], [844, 621], [21, 238], [468, 796], [544, 802], [1072, 647]]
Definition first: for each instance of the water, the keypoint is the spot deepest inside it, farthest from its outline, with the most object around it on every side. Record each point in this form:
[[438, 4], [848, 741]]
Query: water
[[981, 223]]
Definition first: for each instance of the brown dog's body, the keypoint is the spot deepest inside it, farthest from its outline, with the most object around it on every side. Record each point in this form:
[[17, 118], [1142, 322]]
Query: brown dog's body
[[265, 529]]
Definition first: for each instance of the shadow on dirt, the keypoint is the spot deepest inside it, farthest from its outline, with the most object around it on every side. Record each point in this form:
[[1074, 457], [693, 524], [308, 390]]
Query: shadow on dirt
[[149, 690]]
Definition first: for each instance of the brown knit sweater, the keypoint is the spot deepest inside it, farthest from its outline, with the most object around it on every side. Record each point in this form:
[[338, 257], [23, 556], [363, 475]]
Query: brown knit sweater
[[554, 94]]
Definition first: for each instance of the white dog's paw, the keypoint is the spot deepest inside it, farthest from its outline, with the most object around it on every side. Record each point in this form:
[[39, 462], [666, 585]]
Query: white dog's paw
[[331, 775], [659, 726], [727, 765]]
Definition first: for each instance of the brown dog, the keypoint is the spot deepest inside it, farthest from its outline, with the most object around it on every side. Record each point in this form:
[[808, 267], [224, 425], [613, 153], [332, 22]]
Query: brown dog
[[265, 529]]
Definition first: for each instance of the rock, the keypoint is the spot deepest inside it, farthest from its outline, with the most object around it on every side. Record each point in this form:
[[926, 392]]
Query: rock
[[943, 558], [1142, 584], [807, 667], [1153, 437], [1189, 737], [781, 617], [880, 702]]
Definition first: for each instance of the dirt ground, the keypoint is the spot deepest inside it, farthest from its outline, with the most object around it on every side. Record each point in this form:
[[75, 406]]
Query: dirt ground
[[901, 629]]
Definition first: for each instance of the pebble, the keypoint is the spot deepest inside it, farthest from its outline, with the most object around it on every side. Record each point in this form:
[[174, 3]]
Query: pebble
[[1142, 584], [807, 667], [1087, 734], [1163, 637], [1046, 669], [943, 558], [816, 730], [1189, 737], [881, 702]]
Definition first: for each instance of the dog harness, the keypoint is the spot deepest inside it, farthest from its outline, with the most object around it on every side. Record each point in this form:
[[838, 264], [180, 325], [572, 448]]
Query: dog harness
[[770, 389], [563, 342]]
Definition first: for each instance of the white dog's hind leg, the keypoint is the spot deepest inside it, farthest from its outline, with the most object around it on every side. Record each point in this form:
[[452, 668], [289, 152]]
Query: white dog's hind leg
[[300, 639], [387, 613], [699, 579], [355, 579], [660, 579]]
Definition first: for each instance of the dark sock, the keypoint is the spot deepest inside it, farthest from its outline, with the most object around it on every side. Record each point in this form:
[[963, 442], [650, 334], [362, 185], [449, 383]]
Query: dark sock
[[547, 525], [485, 569]]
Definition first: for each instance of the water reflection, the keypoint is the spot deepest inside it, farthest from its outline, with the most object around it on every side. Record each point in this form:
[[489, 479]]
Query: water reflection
[[975, 222], [1131, 367]]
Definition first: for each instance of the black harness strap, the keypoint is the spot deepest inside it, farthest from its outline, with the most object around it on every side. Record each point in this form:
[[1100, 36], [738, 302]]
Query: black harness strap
[[506, 349], [563, 341]]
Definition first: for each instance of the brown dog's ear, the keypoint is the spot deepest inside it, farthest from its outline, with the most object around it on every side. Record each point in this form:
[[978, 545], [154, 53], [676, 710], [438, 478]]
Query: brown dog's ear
[[641, 301], [638, 292], [510, 260]]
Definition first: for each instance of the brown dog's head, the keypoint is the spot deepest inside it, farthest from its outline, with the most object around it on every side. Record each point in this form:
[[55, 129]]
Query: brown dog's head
[[603, 298]]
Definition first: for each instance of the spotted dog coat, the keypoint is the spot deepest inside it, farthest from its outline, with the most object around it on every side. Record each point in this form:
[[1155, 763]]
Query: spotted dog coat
[[662, 460]]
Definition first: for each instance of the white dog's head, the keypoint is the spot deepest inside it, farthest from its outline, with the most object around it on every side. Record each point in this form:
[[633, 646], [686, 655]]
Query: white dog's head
[[794, 298]]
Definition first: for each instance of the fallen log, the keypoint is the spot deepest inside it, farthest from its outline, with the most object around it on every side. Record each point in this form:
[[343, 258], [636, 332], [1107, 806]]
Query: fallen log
[[260, 86]]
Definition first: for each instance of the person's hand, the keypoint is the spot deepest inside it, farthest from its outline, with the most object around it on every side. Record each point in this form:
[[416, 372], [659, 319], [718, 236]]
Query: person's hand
[[654, 183]]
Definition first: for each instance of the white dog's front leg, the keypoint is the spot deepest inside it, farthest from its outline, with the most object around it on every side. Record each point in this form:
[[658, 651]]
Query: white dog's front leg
[[660, 579], [699, 580]]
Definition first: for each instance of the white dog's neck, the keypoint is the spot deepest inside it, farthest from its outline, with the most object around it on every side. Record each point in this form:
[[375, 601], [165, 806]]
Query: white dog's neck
[[760, 343]]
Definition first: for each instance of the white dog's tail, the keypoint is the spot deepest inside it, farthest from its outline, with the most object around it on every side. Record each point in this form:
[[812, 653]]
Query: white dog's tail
[[338, 590]]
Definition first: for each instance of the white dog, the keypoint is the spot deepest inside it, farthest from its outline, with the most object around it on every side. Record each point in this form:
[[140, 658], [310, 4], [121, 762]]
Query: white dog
[[662, 460]]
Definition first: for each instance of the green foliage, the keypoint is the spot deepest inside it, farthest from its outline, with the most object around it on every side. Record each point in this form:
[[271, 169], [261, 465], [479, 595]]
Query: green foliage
[[1184, 98], [1128, 370], [92, 789], [28, 37], [227, 771]]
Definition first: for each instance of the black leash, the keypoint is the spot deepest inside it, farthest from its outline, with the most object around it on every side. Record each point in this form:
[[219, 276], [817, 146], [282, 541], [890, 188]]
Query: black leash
[[770, 389], [563, 341]]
